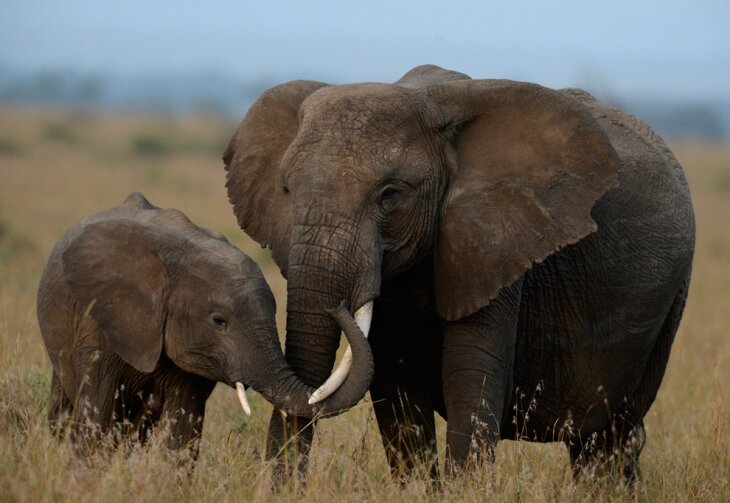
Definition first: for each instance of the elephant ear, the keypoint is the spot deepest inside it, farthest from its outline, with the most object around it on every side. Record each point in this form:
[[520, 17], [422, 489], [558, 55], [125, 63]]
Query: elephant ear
[[528, 164], [113, 268], [252, 159]]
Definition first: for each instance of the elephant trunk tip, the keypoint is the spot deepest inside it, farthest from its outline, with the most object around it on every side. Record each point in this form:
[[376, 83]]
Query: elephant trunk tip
[[363, 319]]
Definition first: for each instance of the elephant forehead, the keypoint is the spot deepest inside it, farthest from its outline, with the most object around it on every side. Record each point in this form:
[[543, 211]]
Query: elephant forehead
[[360, 110], [359, 129]]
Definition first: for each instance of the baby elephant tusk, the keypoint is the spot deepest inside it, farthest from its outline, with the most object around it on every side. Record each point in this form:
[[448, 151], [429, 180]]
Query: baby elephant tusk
[[363, 318], [241, 391]]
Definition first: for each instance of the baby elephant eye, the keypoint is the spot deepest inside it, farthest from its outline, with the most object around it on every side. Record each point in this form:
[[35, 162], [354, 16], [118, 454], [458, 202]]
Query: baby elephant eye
[[219, 320]]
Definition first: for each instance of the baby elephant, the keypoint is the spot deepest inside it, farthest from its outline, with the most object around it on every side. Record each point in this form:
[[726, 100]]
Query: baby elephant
[[142, 312]]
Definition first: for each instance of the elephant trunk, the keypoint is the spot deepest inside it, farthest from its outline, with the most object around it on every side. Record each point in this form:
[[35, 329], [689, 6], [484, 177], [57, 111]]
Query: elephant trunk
[[312, 336], [260, 362], [326, 265], [363, 318], [279, 383]]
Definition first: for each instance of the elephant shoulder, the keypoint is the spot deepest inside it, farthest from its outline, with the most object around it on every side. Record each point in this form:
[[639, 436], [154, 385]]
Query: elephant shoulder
[[623, 122]]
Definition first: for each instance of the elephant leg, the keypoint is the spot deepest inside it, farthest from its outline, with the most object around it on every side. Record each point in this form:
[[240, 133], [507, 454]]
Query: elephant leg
[[60, 407], [287, 445], [615, 450], [183, 409], [93, 412], [589, 455], [404, 410], [138, 410], [478, 355], [632, 445], [406, 387]]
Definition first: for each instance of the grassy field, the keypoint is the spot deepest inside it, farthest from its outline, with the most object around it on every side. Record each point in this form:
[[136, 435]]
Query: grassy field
[[56, 167]]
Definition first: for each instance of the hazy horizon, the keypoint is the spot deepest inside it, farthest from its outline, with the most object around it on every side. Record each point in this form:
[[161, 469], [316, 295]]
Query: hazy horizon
[[651, 48]]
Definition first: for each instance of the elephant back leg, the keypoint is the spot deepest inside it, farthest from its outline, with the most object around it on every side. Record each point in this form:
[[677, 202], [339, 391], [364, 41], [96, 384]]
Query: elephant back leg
[[619, 446], [59, 407], [633, 442], [615, 450], [656, 366]]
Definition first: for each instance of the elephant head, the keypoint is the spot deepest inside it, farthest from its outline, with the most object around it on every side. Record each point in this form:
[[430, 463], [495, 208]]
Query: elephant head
[[156, 284], [349, 185]]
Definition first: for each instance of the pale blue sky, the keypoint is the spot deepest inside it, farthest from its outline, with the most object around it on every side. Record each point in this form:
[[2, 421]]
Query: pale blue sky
[[640, 47]]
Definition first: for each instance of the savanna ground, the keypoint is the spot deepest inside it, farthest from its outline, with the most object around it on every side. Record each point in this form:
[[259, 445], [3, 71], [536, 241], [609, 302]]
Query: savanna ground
[[58, 166]]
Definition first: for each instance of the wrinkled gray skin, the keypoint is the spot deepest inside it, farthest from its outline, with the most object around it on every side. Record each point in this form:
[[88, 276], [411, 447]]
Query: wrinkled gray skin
[[142, 312], [528, 252]]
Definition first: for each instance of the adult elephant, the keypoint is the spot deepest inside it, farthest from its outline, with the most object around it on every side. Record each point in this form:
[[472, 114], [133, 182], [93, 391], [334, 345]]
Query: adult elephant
[[527, 252]]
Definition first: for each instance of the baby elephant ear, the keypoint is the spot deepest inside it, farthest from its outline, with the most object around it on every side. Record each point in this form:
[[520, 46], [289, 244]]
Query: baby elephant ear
[[529, 163], [252, 160], [114, 270]]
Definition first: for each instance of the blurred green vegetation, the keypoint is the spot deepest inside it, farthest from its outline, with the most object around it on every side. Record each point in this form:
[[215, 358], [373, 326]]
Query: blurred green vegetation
[[9, 146], [60, 132]]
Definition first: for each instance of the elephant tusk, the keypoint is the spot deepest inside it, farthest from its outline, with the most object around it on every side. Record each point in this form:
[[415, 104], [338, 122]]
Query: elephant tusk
[[241, 391], [363, 318]]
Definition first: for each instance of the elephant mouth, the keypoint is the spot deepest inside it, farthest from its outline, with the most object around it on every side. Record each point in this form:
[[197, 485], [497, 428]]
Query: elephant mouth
[[363, 317]]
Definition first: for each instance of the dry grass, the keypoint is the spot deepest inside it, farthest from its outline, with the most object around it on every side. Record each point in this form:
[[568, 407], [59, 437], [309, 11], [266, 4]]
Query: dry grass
[[56, 167]]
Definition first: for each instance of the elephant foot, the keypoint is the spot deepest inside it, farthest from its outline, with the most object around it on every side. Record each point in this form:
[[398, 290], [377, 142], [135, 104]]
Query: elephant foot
[[477, 458], [289, 467], [600, 455], [632, 446]]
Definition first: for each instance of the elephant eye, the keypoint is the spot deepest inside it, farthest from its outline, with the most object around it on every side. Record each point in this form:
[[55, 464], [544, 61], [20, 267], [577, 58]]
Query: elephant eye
[[389, 198], [219, 320], [286, 189]]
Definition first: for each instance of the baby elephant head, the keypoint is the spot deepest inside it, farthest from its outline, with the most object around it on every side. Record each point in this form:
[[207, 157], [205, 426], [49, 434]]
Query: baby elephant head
[[156, 283]]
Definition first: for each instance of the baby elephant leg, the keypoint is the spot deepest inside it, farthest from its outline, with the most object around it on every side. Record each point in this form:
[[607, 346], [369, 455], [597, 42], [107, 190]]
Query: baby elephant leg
[[59, 408], [183, 410], [93, 408]]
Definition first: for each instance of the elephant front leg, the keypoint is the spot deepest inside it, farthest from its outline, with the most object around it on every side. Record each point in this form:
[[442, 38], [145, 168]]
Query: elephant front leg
[[183, 410], [92, 415], [59, 409], [478, 355]]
